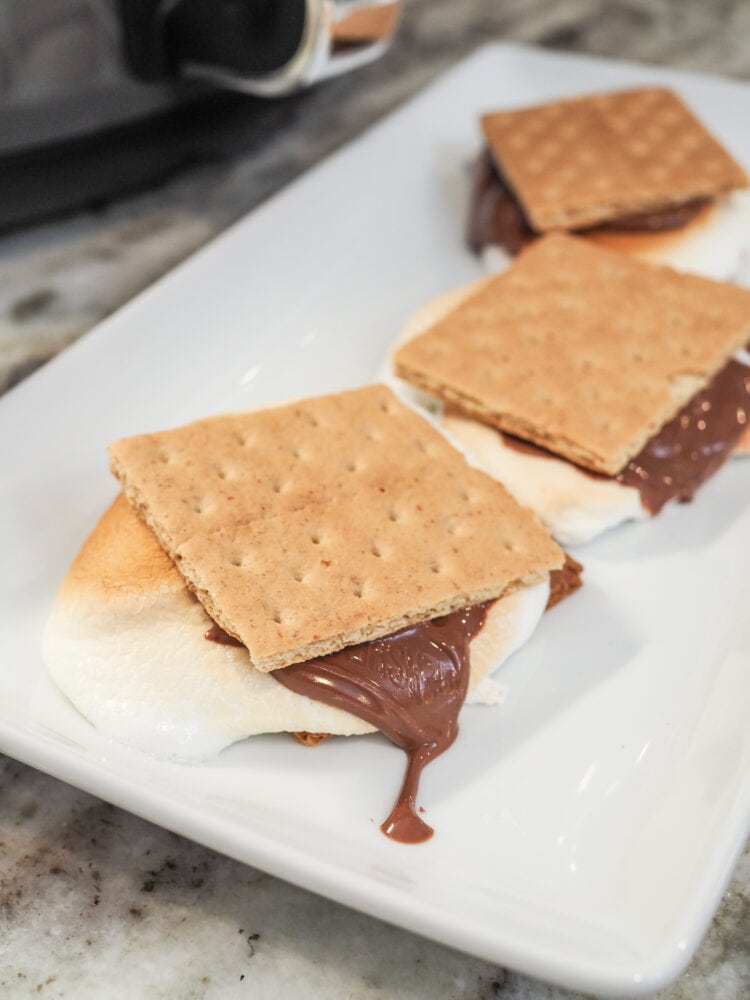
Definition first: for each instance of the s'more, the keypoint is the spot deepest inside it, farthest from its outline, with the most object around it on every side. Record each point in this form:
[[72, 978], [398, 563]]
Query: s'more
[[633, 170], [596, 387], [330, 566]]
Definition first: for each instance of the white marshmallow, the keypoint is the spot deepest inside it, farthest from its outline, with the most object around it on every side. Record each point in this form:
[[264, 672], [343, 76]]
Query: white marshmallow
[[574, 506], [139, 668]]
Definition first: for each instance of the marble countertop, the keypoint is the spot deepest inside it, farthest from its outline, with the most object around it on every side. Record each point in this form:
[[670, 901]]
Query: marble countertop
[[97, 903]]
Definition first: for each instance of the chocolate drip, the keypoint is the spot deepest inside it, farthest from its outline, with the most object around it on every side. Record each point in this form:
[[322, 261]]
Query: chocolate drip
[[694, 444], [689, 449], [217, 634], [496, 217], [411, 686]]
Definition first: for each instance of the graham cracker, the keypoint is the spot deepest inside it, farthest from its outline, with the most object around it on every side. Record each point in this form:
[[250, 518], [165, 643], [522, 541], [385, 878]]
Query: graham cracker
[[577, 163], [317, 525], [581, 350], [311, 739]]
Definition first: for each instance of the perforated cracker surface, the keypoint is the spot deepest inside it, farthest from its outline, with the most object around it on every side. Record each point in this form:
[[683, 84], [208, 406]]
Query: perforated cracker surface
[[312, 526], [576, 163], [581, 350]]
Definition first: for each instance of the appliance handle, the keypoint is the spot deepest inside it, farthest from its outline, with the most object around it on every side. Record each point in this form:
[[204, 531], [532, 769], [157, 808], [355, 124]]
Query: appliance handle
[[338, 36]]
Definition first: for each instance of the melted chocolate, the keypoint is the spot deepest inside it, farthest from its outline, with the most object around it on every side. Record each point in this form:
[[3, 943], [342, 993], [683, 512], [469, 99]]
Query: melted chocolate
[[526, 447], [495, 215], [686, 451], [217, 634], [411, 686], [657, 221], [694, 444], [497, 218]]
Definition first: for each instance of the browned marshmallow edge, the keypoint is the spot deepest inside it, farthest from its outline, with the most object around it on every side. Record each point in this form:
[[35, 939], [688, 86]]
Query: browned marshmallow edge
[[580, 162], [320, 524], [121, 568], [581, 350]]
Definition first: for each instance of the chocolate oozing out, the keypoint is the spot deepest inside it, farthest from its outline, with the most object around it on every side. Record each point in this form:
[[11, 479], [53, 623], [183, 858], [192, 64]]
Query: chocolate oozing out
[[217, 634], [688, 449], [409, 685], [563, 582], [657, 221], [693, 445], [497, 218]]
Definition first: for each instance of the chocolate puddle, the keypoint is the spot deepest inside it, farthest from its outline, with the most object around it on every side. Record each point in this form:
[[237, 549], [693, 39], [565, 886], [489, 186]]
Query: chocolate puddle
[[688, 449], [497, 218]]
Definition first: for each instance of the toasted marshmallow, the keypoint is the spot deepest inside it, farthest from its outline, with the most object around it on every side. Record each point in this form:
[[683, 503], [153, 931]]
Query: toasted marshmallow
[[715, 245], [573, 505], [126, 644]]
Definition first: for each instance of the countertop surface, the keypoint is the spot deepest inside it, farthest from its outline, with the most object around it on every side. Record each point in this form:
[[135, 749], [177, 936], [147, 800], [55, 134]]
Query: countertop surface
[[97, 903]]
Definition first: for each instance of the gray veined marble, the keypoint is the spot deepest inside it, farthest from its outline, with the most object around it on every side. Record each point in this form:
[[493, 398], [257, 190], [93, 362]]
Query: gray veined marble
[[97, 903]]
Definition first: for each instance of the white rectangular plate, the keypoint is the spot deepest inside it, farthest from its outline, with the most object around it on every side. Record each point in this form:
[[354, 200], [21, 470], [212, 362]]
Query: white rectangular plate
[[586, 828]]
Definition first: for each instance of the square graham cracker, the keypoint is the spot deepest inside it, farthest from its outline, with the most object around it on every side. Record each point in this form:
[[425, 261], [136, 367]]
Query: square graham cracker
[[583, 351], [316, 525], [577, 163]]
